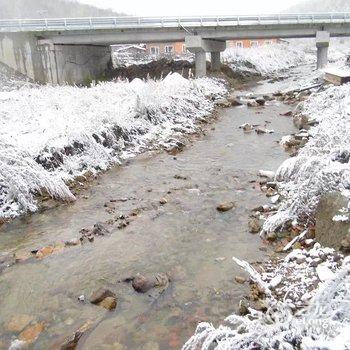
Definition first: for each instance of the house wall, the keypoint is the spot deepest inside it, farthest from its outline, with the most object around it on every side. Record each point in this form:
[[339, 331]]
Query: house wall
[[251, 42], [178, 46]]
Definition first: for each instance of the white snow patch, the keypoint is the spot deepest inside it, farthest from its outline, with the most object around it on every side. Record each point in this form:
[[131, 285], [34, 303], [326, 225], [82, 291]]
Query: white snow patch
[[52, 134]]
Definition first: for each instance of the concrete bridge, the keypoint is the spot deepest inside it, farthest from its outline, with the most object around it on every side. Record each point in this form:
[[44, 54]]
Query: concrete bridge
[[76, 50]]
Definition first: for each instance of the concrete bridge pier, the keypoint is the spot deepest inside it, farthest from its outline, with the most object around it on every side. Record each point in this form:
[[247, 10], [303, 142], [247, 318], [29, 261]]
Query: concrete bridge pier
[[200, 47], [322, 44], [215, 61]]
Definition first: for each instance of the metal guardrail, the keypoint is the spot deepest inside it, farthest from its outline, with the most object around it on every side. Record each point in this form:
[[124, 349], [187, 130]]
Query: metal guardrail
[[95, 23]]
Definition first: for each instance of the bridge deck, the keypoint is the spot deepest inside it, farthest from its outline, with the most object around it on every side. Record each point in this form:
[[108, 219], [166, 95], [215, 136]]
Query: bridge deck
[[97, 23]]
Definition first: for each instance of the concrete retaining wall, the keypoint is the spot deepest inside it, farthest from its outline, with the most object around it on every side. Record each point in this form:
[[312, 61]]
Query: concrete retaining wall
[[80, 64]]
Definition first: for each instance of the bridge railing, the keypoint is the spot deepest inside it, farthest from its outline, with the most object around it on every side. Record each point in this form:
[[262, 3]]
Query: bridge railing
[[95, 23]]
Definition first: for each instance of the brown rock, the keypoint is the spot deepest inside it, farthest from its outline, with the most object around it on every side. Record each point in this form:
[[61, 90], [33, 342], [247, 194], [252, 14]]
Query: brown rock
[[225, 206], [163, 201], [271, 236], [100, 229], [109, 303], [223, 103], [45, 251], [240, 279], [254, 225], [32, 332], [261, 101], [243, 308], [72, 342], [72, 242], [345, 244], [100, 294], [252, 103], [234, 101], [18, 323], [286, 114], [143, 284]]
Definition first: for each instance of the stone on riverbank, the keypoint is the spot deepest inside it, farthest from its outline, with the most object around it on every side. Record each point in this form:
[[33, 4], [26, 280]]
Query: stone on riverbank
[[254, 225], [225, 206], [329, 232]]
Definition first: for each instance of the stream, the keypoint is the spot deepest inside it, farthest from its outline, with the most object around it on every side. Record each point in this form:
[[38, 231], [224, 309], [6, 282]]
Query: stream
[[186, 236]]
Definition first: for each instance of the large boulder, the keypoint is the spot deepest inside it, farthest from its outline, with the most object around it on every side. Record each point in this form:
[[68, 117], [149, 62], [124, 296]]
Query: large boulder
[[329, 232]]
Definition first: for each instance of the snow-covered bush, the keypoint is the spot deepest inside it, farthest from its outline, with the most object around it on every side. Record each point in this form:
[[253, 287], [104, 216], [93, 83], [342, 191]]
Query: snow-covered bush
[[322, 324], [264, 60], [51, 134], [323, 164]]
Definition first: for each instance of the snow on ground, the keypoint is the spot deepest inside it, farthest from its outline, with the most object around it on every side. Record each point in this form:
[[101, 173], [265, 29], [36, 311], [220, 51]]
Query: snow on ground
[[323, 164], [264, 60], [9, 80], [51, 134], [322, 323]]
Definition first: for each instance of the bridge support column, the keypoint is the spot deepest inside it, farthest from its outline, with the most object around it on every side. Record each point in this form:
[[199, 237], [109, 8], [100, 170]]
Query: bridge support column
[[215, 61], [322, 44], [201, 64], [200, 47]]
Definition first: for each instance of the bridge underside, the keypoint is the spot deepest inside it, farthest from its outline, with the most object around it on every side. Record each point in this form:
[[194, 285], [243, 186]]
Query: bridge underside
[[77, 57]]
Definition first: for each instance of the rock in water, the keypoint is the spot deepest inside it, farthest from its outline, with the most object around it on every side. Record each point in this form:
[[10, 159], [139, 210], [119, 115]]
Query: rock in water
[[234, 101], [45, 251], [100, 294], [225, 206], [252, 103], [100, 229], [143, 284], [109, 303], [260, 100], [18, 323], [254, 225], [163, 201], [72, 342], [240, 279], [32, 332]]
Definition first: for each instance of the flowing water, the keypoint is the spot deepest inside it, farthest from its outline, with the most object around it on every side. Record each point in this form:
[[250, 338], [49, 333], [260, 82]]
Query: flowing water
[[187, 236]]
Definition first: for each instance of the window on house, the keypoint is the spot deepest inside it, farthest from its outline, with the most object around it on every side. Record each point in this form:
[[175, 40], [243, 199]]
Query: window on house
[[268, 42], [154, 50], [254, 43], [169, 49], [239, 44]]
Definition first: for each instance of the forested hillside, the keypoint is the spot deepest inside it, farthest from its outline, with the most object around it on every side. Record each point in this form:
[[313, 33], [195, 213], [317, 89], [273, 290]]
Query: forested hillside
[[49, 8]]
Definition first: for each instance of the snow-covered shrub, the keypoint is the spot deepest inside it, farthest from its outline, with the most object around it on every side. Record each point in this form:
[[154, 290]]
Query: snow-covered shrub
[[323, 164], [322, 324], [264, 60], [50, 134]]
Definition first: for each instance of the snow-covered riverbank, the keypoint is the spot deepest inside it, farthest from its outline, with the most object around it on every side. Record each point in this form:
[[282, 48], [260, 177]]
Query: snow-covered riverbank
[[264, 60], [322, 165], [51, 134], [322, 324], [305, 295]]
